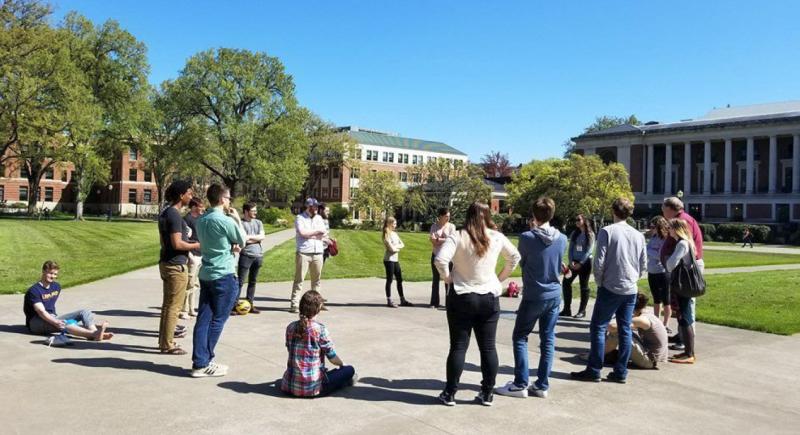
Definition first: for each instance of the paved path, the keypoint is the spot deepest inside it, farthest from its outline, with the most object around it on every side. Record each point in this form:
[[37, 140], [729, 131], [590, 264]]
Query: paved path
[[745, 382], [765, 249]]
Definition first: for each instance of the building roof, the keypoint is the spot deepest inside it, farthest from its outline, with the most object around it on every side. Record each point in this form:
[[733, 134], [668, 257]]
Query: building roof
[[496, 187], [370, 137], [757, 114]]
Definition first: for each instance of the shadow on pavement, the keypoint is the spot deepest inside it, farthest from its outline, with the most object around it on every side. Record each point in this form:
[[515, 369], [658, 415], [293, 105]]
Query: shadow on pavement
[[129, 313], [132, 331], [573, 323], [17, 329], [270, 299], [125, 364], [574, 336], [502, 370], [82, 344], [266, 388], [374, 394], [404, 384]]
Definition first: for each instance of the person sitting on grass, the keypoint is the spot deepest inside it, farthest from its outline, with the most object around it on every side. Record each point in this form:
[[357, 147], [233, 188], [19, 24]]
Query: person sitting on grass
[[649, 338], [308, 344], [40, 310]]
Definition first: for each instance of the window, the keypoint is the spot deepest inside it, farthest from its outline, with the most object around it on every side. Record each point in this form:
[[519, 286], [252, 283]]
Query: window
[[132, 196], [388, 157], [420, 160], [417, 178], [325, 173], [359, 154], [335, 173], [148, 175], [48, 194], [404, 177], [23, 171], [148, 196], [23, 193], [2, 170], [354, 173], [353, 193], [356, 214], [372, 155], [324, 192], [335, 193], [402, 158], [64, 175], [131, 153], [2, 193], [48, 173], [132, 174], [414, 159]]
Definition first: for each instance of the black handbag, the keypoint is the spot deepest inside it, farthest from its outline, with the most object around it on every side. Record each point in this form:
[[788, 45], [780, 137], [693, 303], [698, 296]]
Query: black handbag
[[687, 280]]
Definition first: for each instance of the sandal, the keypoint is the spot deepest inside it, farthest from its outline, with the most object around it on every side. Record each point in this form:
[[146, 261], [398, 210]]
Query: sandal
[[174, 351]]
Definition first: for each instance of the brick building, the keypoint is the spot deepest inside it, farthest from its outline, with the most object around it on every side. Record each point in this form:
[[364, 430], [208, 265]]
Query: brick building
[[132, 189], [733, 164]]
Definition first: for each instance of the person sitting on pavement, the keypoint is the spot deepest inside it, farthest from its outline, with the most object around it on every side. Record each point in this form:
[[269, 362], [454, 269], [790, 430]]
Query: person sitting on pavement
[[40, 310], [309, 344], [649, 338]]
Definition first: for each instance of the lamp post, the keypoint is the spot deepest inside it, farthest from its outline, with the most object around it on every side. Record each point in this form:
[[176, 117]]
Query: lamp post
[[108, 204]]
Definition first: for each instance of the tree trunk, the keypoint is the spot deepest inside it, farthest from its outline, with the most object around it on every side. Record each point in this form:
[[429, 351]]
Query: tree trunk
[[79, 195], [78, 210], [33, 195]]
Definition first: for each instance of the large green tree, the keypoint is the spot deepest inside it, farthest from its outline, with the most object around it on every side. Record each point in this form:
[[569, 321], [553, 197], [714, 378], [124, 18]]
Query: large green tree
[[444, 183], [577, 184], [244, 103], [114, 67], [379, 193], [327, 148], [601, 123]]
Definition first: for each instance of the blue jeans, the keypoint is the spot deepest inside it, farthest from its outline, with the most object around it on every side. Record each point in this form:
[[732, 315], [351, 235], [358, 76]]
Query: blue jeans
[[546, 312], [216, 302], [337, 379], [607, 305]]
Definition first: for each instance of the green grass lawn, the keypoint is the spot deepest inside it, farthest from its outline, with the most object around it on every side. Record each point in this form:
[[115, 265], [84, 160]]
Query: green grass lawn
[[361, 255], [86, 251]]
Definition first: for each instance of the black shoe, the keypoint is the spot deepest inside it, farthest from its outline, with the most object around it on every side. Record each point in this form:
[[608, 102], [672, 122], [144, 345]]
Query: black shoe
[[585, 375], [614, 377], [448, 399], [580, 315], [405, 303], [565, 313], [486, 398], [677, 346], [674, 338]]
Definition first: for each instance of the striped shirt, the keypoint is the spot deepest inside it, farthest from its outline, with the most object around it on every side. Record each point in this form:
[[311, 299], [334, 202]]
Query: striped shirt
[[305, 368]]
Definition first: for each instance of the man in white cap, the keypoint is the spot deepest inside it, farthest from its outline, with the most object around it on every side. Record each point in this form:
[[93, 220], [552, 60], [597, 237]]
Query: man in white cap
[[309, 235]]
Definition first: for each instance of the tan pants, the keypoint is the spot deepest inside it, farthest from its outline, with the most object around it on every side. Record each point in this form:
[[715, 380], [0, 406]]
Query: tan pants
[[639, 356], [302, 264], [193, 285], [175, 277]]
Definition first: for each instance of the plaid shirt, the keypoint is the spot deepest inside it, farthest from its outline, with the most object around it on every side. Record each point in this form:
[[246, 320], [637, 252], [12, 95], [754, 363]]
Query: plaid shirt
[[305, 368]]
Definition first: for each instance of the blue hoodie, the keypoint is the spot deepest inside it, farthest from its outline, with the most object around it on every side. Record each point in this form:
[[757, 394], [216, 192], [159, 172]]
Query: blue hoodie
[[542, 251]]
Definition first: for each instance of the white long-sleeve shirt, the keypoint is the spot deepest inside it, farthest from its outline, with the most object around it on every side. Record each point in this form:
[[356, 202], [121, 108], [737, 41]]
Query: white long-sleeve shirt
[[682, 253], [392, 246], [471, 273]]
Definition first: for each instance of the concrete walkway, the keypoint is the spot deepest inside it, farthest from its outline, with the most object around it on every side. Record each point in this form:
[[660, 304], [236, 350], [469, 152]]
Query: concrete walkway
[[764, 249], [744, 382]]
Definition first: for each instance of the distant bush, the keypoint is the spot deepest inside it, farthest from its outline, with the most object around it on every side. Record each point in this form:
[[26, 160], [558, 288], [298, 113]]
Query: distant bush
[[337, 215], [271, 215], [734, 232], [709, 230]]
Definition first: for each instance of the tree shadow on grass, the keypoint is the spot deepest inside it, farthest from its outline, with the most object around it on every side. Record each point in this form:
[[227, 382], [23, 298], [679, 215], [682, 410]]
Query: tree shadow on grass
[[125, 364], [266, 388], [129, 313]]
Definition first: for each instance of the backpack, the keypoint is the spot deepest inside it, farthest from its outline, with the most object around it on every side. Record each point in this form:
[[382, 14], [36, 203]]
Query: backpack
[[686, 280]]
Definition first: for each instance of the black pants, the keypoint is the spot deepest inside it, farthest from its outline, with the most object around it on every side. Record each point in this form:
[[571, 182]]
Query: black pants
[[249, 266], [435, 283], [583, 278], [393, 271], [465, 313], [746, 240]]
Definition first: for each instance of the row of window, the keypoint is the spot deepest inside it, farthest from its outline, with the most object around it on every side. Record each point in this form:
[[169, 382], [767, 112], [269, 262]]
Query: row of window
[[402, 158], [49, 173], [323, 192], [133, 172], [48, 192], [333, 172]]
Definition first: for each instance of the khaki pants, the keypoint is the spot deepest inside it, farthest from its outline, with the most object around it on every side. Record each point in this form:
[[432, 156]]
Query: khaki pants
[[639, 357], [193, 285], [175, 278], [302, 264]]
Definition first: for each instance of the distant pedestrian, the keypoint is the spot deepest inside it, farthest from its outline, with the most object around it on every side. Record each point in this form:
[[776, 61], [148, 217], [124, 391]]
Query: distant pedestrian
[[391, 262], [310, 232], [252, 256], [581, 246], [173, 263], [440, 231], [747, 237], [620, 260], [657, 277], [196, 209], [220, 234], [541, 250], [474, 304]]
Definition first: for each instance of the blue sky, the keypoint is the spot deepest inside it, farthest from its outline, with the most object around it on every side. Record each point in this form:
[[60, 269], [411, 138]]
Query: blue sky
[[518, 77]]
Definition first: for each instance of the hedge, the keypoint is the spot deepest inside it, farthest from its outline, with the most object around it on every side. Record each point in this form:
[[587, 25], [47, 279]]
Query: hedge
[[735, 232]]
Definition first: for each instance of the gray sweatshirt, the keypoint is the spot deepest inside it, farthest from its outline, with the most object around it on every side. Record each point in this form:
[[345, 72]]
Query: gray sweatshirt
[[621, 258]]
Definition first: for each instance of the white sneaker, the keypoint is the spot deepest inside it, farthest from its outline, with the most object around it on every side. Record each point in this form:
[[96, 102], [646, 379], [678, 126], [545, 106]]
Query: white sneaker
[[535, 392], [58, 341], [511, 390], [211, 370]]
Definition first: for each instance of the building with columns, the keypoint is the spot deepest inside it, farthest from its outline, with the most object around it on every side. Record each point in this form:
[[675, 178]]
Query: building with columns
[[732, 164]]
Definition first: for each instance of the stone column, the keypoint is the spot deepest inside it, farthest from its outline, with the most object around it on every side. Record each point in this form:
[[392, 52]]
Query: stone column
[[624, 157], [728, 166], [707, 168], [668, 171], [588, 152], [748, 188], [773, 165], [796, 164], [687, 168], [651, 152]]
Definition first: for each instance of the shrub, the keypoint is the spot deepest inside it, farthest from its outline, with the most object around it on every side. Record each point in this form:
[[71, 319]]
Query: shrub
[[337, 215], [734, 232], [271, 215], [709, 230]]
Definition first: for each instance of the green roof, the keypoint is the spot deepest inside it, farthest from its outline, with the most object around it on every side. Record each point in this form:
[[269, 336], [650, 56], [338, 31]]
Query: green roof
[[380, 139]]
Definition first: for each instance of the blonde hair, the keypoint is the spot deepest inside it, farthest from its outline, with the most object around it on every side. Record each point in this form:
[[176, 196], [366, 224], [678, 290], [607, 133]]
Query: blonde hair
[[683, 232], [387, 223]]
